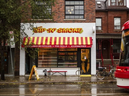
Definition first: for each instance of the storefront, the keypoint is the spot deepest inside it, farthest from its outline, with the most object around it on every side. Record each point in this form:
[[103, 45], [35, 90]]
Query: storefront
[[62, 46]]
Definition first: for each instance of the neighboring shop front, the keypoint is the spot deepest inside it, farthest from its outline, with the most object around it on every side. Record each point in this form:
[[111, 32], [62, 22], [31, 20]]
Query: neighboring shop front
[[8, 56], [62, 46]]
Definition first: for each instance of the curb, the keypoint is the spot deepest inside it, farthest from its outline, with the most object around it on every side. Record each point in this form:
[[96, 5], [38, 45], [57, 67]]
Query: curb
[[61, 82]]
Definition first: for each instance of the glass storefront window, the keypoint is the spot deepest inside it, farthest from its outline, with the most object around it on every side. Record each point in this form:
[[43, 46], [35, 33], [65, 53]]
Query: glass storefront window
[[47, 57], [68, 56], [53, 57]]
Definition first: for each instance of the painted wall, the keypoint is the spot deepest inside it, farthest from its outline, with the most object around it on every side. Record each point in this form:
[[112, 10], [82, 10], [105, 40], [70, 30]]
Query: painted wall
[[128, 3], [87, 32], [87, 29]]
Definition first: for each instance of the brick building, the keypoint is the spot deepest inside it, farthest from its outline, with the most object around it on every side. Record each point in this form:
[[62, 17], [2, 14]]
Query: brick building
[[110, 16], [66, 43]]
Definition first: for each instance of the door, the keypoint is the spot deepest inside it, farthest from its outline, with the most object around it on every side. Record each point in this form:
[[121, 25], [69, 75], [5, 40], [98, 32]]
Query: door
[[6, 62], [85, 61], [105, 49], [5, 55], [31, 59]]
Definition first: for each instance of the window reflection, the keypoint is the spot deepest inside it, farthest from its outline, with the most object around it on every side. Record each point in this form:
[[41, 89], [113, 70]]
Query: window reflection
[[98, 24], [69, 56], [74, 9], [125, 52], [117, 22]]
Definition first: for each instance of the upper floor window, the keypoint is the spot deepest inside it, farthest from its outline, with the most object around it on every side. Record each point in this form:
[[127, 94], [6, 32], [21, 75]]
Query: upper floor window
[[117, 23], [98, 24], [74, 9], [117, 2], [113, 2], [42, 10]]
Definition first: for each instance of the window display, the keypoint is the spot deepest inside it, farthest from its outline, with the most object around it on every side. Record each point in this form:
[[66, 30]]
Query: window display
[[53, 57]]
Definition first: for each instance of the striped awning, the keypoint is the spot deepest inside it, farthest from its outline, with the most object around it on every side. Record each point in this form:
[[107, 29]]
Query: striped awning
[[57, 42]]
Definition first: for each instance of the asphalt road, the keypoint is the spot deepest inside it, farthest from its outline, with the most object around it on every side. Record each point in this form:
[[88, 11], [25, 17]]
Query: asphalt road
[[89, 89]]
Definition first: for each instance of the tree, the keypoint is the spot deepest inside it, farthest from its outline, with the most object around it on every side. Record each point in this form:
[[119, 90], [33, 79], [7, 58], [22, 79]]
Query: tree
[[12, 13]]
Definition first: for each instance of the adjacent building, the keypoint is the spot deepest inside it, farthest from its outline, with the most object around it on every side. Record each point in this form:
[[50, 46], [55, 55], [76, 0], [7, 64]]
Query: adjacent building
[[110, 16]]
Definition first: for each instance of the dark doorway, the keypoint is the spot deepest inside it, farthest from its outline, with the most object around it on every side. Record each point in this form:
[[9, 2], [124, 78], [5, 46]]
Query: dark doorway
[[6, 62], [30, 61], [105, 49]]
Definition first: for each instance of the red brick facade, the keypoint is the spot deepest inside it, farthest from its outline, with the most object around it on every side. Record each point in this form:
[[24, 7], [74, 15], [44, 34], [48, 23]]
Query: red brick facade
[[108, 39], [108, 20], [59, 13]]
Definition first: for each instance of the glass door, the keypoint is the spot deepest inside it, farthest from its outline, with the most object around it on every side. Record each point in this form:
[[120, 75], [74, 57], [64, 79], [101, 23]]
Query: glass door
[[85, 61]]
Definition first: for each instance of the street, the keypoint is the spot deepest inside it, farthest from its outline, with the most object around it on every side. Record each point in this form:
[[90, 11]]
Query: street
[[89, 89]]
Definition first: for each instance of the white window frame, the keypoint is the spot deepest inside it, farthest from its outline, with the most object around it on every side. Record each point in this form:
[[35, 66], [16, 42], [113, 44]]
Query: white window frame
[[99, 25], [117, 24]]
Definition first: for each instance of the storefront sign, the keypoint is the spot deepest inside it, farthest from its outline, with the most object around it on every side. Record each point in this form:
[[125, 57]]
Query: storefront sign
[[59, 30], [36, 73]]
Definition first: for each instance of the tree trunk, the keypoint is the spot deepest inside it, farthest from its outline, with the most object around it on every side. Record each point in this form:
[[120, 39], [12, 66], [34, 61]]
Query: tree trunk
[[16, 59], [2, 61], [17, 51]]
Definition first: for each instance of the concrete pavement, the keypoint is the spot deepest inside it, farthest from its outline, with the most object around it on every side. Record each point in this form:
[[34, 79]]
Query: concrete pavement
[[55, 79]]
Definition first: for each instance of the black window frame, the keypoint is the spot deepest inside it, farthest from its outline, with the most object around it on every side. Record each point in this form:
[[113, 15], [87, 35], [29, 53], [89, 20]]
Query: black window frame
[[73, 14]]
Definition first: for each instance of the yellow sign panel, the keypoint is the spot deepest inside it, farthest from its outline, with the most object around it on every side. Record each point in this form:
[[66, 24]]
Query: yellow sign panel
[[36, 73], [40, 29]]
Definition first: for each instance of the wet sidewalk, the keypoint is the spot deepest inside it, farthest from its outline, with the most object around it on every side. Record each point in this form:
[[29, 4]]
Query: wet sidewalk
[[54, 79]]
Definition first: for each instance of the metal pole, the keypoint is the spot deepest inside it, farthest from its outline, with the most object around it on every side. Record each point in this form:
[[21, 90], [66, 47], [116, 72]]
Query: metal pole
[[11, 60]]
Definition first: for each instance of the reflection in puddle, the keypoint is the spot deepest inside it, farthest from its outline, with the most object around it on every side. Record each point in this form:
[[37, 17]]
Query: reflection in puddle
[[93, 89], [21, 89], [62, 89]]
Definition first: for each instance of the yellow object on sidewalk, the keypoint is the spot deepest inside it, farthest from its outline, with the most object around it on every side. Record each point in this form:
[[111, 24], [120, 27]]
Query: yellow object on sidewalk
[[85, 75], [36, 73]]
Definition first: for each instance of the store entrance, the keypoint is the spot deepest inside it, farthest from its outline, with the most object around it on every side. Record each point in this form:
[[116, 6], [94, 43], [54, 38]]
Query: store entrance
[[31, 59], [85, 59]]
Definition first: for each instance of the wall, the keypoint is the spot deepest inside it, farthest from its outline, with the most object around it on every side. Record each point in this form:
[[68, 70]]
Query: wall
[[103, 15], [108, 20], [87, 29], [111, 15], [128, 3], [59, 13]]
